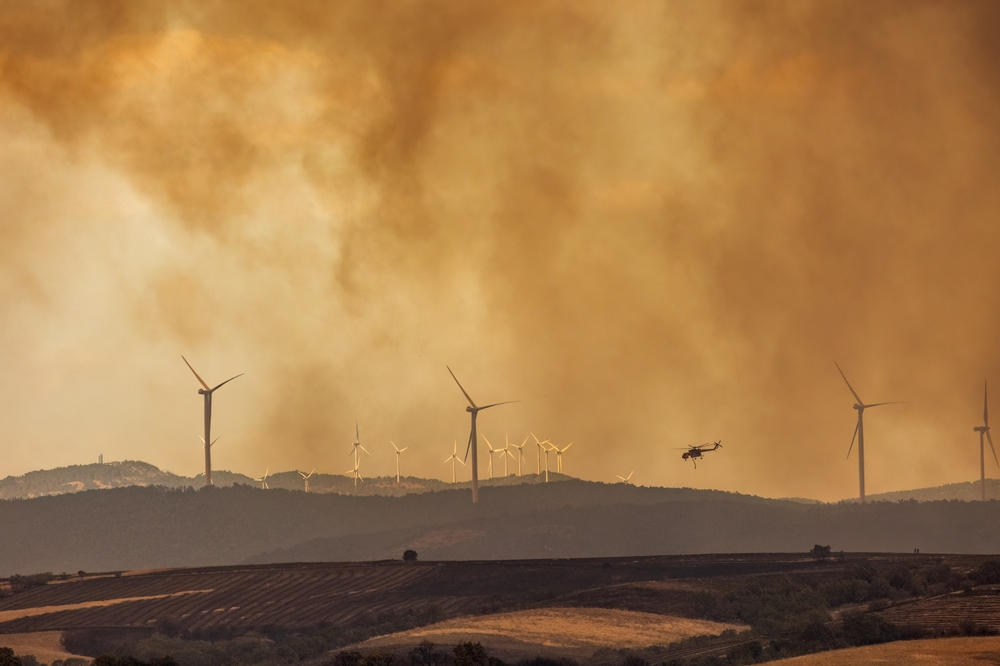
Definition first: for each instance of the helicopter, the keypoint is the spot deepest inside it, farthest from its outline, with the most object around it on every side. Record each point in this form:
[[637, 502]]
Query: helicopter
[[695, 452]]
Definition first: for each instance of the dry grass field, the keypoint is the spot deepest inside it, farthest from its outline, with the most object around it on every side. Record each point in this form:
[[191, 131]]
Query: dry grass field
[[980, 651], [46, 646], [563, 631]]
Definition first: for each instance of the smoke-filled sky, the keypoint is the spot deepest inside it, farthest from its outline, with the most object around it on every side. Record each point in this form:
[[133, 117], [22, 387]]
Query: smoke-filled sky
[[654, 224]]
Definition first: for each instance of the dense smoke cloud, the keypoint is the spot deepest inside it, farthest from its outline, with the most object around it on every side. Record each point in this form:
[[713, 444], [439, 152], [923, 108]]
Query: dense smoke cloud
[[654, 224]]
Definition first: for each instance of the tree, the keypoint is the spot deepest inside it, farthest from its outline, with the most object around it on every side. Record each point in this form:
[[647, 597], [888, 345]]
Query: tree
[[7, 657], [427, 654], [470, 654], [410, 556], [820, 552]]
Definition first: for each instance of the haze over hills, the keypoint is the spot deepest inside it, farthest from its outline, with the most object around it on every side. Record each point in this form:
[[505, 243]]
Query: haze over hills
[[97, 476], [154, 527]]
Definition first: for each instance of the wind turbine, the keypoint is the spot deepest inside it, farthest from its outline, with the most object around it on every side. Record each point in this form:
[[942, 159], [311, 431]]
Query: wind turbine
[[520, 454], [474, 410], [357, 456], [398, 451], [559, 453], [859, 431], [454, 458], [357, 474], [492, 451], [985, 430], [305, 478], [263, 480], [506, 455], [626, 479], [540, 446], [547, 449], [207, 392]]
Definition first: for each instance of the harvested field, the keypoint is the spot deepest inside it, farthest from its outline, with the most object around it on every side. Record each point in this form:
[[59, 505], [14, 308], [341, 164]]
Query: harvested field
[[947, 612], [562, 631], [46, 646], [303, 595], [978, 651]]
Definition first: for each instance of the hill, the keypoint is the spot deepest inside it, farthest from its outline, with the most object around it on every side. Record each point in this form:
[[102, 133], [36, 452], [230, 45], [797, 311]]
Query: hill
[[98, 476], [152, 527], [966, 492]]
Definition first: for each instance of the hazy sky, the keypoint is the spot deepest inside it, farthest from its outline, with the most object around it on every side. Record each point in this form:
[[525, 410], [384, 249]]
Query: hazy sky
[[654, 223]]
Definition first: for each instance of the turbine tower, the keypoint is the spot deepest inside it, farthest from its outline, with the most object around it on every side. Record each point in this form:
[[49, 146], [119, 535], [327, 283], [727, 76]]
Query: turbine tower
[[859, 431], [454, 458], [559, 453], [520, 454], [626, 479], [207, 392], [492, 451], [398, 451], [473, 440], [357, 456], [305, 478], [539, 446], [985, 430], [506, 455]]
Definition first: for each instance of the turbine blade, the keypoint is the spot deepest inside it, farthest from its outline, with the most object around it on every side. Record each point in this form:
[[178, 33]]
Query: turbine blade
[[468, 448], [986, 405], [403, 449], [852, 438], [497, 404], [856, 397], [394, 445], [467, 397], [896, 402], [196, 374], [567, 446], [363, 449], [990, 439], [228, 380]]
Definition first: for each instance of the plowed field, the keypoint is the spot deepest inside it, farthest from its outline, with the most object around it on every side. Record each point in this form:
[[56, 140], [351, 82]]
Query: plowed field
[[948, 611]]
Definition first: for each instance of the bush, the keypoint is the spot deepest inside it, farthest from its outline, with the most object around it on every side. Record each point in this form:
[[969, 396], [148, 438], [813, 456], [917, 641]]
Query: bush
[[868, 629], [988, 573], [8, 658], [634, 660], [471, 654], [410, 556], [745, 653], [901, 578], [427, 654], [348, 658], [378, 659], [21, 583]]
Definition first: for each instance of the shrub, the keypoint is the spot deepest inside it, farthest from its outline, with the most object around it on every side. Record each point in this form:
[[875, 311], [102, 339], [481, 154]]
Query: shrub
[[378, 659], [868, 629], [988, 573], [427, 654], [8, 658], [470, 654], [745, 653], [634, 660], [348, 658]]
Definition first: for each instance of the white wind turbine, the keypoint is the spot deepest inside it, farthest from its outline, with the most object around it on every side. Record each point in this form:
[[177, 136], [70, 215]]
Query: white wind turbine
[[540, 446], [263, 480], [626, 479], [547, 449], [454, 458], [520, 454], [357, 456], [559, 453], [492, 451], [305, 478], [398, 451], [506, 455], [357, 474]]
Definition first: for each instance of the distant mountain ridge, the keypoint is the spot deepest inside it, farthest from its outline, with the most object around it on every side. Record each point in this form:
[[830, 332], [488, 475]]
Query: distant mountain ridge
[[102, 476]]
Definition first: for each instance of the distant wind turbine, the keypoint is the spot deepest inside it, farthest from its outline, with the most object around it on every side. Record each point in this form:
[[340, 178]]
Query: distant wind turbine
[[547, 449], [454, 458], [859, 431], [540, 446], [263, 480], [506, 455], [207, 392], [398, 451], [626, 479], [520, 454], [474, 410], [357, 474], [305, 478], [356, 454], [492, 451], [985, 430], [559, 453]]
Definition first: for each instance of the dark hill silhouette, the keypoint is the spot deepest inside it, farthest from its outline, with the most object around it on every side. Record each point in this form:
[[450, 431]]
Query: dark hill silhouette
[[148, 527]]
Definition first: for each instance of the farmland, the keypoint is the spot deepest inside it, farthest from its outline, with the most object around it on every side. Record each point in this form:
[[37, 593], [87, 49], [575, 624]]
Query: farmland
[[940, 652], [792, 603]]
